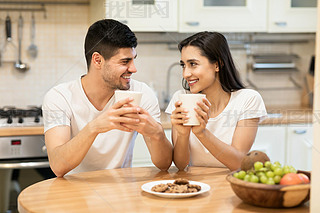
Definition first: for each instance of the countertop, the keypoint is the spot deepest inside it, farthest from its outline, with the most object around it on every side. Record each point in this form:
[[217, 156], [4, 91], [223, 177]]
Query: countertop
[[277, 116], [119, 190]]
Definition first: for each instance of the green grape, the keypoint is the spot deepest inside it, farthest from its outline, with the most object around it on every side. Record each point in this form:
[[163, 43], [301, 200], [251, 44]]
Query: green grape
[[286, 169], [246, 178], [277, 163], [270, 174], [292, 169], [267, 164], [274, 166], [277, 179], [254, 179], [241, 174], [278, 171], [263, 169], [270, 181], [250, 172], [263, 179], [236, 175], [258, 165], [259, 174]]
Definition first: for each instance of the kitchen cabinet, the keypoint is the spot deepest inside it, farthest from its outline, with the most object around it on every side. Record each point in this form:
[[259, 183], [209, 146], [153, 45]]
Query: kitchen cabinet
[[292, 16], [300, 143], [223, 16], [139, 15], [272, 141], [248, 16], [289, 144], [141, 155]]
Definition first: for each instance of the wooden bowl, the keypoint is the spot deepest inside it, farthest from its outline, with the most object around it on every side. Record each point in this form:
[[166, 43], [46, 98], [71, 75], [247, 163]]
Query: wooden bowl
[[272, 196]]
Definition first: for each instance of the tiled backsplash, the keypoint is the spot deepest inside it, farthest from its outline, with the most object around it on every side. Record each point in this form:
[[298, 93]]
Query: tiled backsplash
[[60, 39]]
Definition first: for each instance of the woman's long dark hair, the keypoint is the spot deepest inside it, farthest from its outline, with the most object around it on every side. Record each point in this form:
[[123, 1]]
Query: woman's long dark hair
[[214, 46]]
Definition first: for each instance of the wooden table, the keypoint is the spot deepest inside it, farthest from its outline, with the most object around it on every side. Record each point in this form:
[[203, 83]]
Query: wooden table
[[119, 190]]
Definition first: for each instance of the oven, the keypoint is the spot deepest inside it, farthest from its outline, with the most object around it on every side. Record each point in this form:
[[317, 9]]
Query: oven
[[22, 145]]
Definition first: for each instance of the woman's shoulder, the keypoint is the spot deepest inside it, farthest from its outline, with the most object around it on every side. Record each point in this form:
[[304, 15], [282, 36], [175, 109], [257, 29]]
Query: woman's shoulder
[[246, 93]]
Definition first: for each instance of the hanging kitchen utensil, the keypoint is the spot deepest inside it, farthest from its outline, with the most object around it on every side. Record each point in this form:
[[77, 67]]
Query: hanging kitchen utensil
[[33, 49], [8, 37], [19, 65]]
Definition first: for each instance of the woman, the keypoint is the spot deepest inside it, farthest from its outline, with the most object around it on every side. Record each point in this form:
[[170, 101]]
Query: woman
[[229, 115]]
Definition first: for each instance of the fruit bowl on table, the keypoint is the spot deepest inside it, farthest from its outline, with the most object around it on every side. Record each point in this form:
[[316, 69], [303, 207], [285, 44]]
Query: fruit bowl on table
[[272, 196]]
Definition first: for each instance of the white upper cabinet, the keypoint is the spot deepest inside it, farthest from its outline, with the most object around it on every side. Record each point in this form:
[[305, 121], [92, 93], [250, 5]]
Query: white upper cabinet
[[223, 15], [139, 15], [292, 16]]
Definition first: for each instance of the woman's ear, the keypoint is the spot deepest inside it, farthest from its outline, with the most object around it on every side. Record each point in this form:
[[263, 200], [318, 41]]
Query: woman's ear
[[217, 69]]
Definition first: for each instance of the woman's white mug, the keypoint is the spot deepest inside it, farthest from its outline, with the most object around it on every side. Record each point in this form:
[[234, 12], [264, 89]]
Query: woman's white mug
[[123, 94], [189, 102]]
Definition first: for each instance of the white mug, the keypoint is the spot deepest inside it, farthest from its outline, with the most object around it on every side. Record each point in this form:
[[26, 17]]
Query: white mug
[[123, 94], [189, 102]]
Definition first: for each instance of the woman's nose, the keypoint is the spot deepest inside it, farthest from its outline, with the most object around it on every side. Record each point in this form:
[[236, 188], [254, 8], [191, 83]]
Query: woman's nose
[[186, 73]]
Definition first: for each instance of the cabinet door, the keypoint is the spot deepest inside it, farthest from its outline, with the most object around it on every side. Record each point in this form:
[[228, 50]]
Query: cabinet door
[[139, 15], [300, 141], [223, 15], [141, 155], [292, 16], [271, 140]]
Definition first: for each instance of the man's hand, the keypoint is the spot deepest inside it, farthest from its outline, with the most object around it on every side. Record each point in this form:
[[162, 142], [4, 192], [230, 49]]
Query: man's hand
[[147, 125], [115, 117]]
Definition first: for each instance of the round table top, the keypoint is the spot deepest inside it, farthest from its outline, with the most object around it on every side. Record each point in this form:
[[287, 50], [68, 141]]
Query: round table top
[[119, 190]]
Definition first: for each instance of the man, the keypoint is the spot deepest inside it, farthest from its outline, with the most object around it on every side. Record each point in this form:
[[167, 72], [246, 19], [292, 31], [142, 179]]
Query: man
[[85, 129]]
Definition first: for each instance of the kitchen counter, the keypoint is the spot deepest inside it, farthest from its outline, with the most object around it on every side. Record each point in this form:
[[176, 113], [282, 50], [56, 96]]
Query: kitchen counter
[[276, 116], [119, 190], [18, 131]]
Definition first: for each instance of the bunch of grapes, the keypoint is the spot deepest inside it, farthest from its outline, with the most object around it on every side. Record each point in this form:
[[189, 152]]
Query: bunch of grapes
[[268, 173]]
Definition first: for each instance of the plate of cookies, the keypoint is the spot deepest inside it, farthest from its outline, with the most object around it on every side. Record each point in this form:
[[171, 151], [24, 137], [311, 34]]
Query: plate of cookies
[[179, 188]]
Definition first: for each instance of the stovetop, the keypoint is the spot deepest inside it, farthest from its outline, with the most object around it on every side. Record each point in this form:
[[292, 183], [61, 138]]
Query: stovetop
[[21, 117]]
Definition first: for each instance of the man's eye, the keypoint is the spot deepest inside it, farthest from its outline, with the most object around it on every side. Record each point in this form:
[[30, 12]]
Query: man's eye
[[125, 62], [182, 65]]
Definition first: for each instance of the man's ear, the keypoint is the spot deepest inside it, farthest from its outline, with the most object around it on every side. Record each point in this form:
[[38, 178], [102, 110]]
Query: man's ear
[[96, 60]]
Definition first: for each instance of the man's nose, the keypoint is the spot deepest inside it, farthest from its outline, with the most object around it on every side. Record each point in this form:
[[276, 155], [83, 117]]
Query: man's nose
[[132, 68]]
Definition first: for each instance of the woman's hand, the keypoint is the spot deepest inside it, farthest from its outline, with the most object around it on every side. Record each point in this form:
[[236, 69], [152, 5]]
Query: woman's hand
[[178, 118], [202, 116]]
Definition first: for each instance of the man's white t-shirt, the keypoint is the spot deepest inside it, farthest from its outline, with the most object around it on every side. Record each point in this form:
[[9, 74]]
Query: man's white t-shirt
[[243, 104], [67, 104]]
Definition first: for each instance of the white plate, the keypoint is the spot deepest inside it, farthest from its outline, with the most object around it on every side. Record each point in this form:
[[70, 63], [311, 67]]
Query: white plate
[[148, 186]]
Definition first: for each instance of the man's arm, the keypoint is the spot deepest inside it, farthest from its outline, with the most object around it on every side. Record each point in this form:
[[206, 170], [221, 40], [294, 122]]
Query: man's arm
[[65, 153]]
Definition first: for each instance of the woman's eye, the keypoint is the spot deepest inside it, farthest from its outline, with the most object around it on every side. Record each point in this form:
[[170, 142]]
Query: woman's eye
[[182, 65], [192, 64]]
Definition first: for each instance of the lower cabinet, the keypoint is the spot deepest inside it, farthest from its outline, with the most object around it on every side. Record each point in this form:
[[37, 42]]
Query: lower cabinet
[[288, 144], [271, 140], [300, 144], [141, 155]]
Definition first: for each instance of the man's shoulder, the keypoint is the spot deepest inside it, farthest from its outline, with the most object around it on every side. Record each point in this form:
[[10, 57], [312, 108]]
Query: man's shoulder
[[63, 89]]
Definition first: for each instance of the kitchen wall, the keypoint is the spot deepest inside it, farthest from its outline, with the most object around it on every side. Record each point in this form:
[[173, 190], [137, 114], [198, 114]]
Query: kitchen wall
[[60, 38]]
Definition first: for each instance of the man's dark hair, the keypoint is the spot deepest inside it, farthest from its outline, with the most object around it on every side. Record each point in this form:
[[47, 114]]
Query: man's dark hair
[[215, 48], [106, 37]]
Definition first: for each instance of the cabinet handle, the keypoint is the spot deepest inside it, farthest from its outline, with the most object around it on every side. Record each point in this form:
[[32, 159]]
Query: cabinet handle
[[281, 23], [193, 23], [300, 131]]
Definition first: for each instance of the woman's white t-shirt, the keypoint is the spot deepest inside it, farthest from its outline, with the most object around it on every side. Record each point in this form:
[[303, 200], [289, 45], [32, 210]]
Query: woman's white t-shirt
[[67, 104], [243, 104]]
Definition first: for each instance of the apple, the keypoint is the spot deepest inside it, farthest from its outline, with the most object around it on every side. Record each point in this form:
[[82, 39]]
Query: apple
[[291, 179], [304, 178]]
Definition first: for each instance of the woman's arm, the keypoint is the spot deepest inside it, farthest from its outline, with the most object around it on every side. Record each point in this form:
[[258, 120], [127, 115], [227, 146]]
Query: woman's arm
[[231, 155]]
